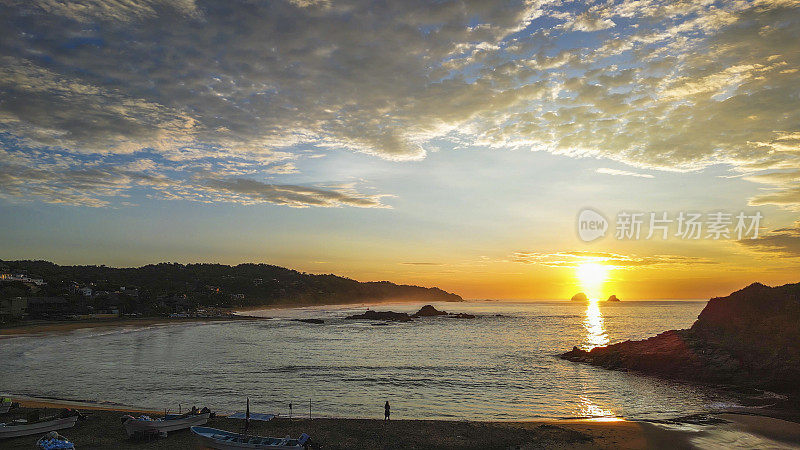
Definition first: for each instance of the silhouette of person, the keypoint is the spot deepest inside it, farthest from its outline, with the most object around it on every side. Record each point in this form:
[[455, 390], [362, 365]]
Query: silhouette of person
[[386, 411]]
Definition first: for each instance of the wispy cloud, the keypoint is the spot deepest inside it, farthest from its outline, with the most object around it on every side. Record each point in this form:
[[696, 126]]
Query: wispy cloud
[[624, 173], [781, 241], [248, 191], [421, 263], [576, 258]]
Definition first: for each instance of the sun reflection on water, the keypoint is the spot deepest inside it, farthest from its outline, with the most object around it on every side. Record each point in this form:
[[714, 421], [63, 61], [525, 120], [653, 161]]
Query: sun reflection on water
[[590, 409], [596, 335]]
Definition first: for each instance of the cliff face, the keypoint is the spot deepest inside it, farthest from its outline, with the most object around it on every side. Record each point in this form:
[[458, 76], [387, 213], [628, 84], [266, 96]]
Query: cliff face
[[749, 338]]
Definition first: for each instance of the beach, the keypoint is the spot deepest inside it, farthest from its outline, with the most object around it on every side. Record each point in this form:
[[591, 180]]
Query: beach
[[103, 429]]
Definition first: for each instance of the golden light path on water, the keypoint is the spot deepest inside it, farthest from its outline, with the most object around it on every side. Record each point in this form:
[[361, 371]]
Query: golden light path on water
[[592, 278], [590, 409], [594, 326]]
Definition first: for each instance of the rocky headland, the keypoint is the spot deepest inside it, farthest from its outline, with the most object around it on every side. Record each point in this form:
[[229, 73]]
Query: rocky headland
[[750, 338]]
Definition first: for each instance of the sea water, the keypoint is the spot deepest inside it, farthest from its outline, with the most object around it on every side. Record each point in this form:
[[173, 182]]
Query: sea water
[[502, 365]]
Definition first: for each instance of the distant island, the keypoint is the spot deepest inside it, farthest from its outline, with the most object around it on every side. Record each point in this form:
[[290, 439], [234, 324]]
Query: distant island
[[579, 297], [749, 338], [44, 290]]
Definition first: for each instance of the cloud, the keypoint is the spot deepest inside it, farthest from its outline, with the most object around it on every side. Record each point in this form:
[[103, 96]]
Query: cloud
[[248, 191], [576, 258], [422, 263], [285, 168], [785, 191], [781, 241], [244, 86], [625, 173], [591, 22]]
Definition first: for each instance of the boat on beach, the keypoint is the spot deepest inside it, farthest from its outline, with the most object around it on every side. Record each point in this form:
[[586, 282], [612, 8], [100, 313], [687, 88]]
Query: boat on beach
[[54, 441], [22, 427], [226, 440], [5, 405], [162, 426]]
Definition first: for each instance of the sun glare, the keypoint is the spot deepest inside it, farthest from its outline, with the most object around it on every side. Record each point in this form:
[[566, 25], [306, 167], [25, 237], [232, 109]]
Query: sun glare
[[591, 277]]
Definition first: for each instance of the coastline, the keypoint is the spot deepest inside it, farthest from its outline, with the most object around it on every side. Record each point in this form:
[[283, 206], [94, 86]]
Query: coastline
[[65, 326], [42, 327]]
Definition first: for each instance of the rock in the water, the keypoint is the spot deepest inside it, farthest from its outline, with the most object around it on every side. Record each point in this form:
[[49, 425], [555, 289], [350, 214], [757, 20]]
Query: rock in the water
[[314, 321], [613, 298], [749, 338], [429, 311], [461, 316], [381, 315], [580, 297]]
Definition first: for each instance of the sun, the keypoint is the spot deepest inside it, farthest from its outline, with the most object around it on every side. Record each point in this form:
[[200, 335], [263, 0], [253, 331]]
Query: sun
[[592, 277]]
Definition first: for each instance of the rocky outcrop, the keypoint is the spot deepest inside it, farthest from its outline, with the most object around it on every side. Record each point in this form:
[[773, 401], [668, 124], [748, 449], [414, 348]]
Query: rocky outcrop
[[580, 297], [429, 311], [390, 316], [613, 298], [314, 321], [749, 338], [425, 311], [461, 316]]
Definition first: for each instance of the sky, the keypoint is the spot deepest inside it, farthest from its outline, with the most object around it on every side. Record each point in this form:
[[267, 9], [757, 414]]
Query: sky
[[447, 143]]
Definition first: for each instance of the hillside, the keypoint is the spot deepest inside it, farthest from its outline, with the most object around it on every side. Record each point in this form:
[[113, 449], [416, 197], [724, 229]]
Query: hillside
[[174, 287]]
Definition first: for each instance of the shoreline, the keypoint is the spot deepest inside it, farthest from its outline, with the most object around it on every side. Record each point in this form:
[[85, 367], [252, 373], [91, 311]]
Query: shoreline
[[103, 429], [37, 327], [66, 326]]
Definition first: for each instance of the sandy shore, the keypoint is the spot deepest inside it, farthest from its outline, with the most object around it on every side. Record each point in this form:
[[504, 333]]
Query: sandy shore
[[103, 429]]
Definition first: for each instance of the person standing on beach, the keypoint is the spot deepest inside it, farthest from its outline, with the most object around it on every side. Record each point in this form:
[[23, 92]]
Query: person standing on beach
[[386, 411]]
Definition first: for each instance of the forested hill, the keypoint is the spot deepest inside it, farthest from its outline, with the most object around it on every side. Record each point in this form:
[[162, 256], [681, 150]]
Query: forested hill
[[218, 285]]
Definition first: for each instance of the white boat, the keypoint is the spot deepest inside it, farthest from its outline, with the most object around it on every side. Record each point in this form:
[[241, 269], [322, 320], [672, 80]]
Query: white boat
[[163, 426], [225, 440], [23, 428]]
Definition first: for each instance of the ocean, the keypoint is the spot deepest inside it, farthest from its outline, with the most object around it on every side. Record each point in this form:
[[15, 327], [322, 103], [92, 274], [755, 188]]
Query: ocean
[[502, 365]]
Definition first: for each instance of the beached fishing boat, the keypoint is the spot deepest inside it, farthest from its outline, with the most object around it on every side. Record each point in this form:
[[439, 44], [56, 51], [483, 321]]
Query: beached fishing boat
[[226, 440], [5, 405], [22, 427], [162, 426], [54, 441]]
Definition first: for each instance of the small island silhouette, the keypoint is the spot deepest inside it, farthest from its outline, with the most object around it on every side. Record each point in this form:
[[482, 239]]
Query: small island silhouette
[[579, 297]]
